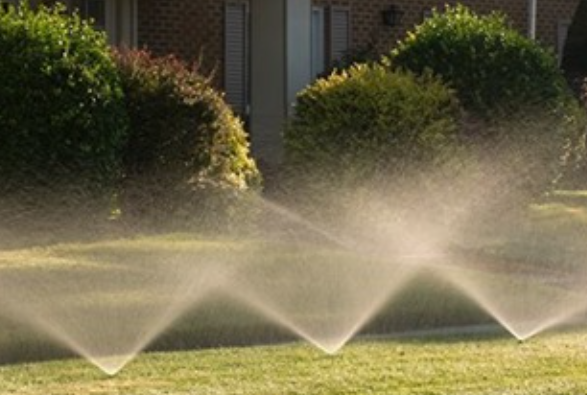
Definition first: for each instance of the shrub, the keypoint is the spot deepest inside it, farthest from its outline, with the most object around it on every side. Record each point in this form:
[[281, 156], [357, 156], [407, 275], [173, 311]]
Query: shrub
[[62, 120], [517, 98], [491, 65], [369, 122], [514, 161], [186, 149]]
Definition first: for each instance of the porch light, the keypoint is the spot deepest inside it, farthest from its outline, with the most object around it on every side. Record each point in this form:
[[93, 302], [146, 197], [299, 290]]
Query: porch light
[[392, 16]]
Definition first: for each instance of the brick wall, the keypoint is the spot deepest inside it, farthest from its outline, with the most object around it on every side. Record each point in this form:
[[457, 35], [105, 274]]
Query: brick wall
[[367, 27], [190, 29], [194, 29]]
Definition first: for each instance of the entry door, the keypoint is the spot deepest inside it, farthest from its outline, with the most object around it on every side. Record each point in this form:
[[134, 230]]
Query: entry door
[[236, 56]]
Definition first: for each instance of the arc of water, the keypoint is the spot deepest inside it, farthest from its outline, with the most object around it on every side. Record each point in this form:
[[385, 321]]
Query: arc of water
[[520, 328], [37, 310], [333, 341]]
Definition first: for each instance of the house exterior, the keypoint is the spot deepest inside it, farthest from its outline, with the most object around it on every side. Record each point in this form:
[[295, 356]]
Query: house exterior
[[265, 51]]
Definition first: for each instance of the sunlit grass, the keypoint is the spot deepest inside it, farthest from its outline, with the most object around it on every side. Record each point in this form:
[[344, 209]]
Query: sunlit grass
[[552, 236], [552, 364]]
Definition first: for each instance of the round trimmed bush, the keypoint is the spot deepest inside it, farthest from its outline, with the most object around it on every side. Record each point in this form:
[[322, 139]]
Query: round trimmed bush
[[62, 119], [369, 122], [520, 109], [490, 64], [187, 154]]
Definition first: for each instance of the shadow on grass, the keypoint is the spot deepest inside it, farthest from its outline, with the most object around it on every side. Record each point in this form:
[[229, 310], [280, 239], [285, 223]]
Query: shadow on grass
[[428, 312]]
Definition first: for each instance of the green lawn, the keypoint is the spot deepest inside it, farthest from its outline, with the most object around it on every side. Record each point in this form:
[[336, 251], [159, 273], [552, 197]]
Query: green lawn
[[66, 283], [551, 364], [62, 285]]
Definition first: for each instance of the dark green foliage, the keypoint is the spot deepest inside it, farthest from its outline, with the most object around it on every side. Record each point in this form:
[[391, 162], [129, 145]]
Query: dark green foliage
[[515, 160], [525, 123], [62, 119], [369, 122], [491, 65], [186, 150]]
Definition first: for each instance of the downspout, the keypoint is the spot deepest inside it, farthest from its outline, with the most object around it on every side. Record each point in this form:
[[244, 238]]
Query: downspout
[[532, 11]]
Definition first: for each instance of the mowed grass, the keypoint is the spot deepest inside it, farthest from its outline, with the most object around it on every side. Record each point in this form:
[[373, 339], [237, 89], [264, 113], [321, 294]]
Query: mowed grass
[[554, 364], [551, 364]]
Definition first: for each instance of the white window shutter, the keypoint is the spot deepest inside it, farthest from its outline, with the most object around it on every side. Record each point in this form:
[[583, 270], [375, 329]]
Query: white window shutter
[[340, 37], [236, 48]]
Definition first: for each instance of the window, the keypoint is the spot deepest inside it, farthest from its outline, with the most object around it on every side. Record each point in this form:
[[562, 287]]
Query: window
[[318, 51], [116, 17], [236, 53], [340, 37]]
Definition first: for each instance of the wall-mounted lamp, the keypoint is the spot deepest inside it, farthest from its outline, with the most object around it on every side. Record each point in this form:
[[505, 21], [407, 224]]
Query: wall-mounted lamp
[[392, 16]]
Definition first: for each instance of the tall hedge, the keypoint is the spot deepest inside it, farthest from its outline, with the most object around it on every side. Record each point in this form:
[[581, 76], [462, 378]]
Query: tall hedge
[[62, 119], [187, 153]]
